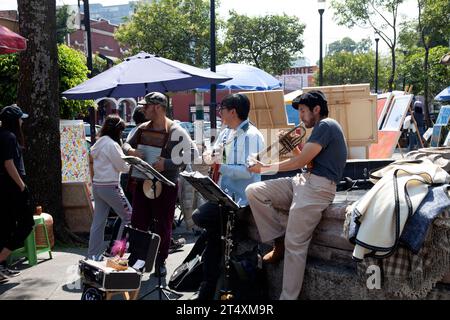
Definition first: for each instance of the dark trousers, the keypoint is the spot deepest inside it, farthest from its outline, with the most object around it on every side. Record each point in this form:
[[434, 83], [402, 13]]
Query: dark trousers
[[207, 216], [155, 215], [16, 214]]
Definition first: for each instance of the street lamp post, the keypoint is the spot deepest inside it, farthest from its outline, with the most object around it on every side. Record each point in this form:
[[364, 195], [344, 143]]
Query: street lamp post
[[377, 38], [212, 104], [321, 7]]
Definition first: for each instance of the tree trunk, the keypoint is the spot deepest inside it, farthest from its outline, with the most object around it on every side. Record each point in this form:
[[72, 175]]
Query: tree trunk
[[426, 88], [38, 96], [392, 75]]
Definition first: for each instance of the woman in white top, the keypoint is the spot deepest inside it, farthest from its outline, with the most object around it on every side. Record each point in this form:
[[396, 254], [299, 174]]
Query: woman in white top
[[108, 165]]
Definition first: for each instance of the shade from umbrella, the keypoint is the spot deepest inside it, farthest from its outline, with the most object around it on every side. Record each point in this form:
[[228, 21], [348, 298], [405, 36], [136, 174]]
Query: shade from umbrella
[[444, 95], [10, 41], [246, 77], [141, 74]]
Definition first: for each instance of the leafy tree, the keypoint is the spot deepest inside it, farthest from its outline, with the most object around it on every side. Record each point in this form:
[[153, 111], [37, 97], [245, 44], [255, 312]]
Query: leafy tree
[[433, 20], [62, 15], [349, 45], [430, 29], [173, 29], [368, 13], [412, 69], [352, 68], [72, 71], [9, 71], [267, 42]]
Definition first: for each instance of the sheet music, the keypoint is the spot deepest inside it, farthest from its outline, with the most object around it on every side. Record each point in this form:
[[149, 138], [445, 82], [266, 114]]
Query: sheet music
[[148, 172], [150, 154]]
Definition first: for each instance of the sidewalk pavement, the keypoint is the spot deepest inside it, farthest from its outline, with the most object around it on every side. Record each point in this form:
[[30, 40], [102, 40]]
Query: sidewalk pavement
[[58, 279]]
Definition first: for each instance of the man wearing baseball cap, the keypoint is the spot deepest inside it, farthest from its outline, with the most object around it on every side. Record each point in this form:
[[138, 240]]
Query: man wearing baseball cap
[[304, 196], [169, 145]]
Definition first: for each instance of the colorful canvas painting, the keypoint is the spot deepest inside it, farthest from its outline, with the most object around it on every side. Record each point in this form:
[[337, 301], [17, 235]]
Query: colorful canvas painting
[[74, 153], [384, 148]]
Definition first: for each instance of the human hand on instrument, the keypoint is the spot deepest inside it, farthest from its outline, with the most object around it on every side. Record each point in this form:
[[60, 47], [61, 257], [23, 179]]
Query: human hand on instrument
[[212, 156], [159, 165], [256, 166]]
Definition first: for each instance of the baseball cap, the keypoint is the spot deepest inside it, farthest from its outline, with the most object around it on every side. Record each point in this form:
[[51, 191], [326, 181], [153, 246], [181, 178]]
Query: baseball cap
[[154, 98], [313, 97], [12, 112]]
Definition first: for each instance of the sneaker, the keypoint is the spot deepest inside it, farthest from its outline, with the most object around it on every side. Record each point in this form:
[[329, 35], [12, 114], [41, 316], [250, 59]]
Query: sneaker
[[176, 244], [8, 273]]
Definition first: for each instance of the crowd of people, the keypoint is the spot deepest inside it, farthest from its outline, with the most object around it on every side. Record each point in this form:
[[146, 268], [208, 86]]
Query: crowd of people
[[168, 148]]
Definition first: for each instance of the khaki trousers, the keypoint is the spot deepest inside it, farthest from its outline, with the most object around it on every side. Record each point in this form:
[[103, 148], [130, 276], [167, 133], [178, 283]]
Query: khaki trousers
[[304, 198]]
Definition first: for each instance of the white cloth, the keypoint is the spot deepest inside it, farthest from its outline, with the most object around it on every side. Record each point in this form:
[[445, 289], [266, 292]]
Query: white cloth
[[108, 162], [380, 225], [408, 124]]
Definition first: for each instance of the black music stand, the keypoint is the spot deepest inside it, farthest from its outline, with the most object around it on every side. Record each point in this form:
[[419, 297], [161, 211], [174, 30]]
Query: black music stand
[[212, 192], [155, 176]]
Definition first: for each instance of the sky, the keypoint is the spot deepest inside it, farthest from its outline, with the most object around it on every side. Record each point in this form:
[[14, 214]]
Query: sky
[[305, 10]]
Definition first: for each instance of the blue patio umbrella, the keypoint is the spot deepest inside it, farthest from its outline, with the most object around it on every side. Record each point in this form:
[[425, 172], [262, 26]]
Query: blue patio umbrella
[[444, 95], [141, 74], [245, 77]]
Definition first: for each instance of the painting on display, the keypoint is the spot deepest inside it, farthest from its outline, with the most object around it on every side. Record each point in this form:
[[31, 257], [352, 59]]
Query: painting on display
[[444, 115], [438, 138], [397, 113], [74, 153], [383, 101], [385, 147]]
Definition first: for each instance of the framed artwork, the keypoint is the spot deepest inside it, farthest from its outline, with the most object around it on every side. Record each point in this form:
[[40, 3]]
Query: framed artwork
[[444, 115], [439, 136], [397, 112], [383, 102], [385, 147], [74, 153]]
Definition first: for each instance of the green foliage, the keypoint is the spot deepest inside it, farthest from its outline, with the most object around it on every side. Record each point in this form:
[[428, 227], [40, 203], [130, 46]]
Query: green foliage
[[349, 45], [9, 76], [352, 68], [436, 26], [267, 42], [439, 75], [72, 71], [379, 15], [173, 29]]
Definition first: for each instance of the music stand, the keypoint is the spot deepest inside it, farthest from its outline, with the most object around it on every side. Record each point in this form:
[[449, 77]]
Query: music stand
[[209, 190], [153, 175], [212, 192]]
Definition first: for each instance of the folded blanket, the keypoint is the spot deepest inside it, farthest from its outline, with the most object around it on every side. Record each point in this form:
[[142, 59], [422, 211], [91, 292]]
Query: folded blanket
[[417, 225], [379, 216]]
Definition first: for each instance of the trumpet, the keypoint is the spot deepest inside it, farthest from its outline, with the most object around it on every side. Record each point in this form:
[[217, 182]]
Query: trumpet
[[287, 142]]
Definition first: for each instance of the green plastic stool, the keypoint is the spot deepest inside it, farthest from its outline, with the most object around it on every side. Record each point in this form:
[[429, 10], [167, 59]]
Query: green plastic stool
[[30, 250]]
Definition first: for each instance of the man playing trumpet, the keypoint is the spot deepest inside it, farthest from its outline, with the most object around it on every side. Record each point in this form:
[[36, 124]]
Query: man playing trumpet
[[304, 196], [232, 148]]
